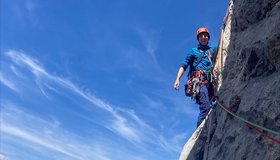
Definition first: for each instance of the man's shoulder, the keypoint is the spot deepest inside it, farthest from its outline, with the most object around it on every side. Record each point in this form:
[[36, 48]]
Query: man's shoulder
[[194, 51]]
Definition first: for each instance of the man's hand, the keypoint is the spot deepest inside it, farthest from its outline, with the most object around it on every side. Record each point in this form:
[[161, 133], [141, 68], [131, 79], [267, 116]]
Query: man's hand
[[176, 84]]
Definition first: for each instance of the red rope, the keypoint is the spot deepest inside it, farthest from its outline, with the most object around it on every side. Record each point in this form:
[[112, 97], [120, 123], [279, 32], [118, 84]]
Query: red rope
[[262, 133], [249, 125]]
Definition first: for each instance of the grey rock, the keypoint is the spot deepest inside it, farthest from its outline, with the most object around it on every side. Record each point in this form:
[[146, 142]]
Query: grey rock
[[251, 70]]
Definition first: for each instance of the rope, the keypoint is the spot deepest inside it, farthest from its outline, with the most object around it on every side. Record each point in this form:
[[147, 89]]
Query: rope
[[262, 133], [250, 124], [219, 56]]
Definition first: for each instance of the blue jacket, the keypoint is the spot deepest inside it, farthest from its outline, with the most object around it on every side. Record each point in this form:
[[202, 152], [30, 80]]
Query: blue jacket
[[194, 54]]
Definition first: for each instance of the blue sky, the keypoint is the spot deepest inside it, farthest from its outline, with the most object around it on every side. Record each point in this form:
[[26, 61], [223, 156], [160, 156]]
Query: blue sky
[[93, 79]]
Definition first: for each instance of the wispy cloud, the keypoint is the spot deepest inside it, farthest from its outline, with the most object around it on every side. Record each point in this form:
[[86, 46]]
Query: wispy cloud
[[7, 82], [122, 122], [2, 157], [16, 72], [42, 133], [119, 124], [164, 144], [30, 7], [25, 13], [125, 123], [150, 40], [35, 139], [22, 59]]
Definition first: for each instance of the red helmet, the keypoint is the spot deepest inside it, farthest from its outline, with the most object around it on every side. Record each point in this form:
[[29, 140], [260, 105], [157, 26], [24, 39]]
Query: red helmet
[[202, 30]]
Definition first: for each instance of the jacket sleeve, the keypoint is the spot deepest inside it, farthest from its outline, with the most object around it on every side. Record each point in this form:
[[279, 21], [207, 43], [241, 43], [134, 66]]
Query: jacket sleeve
[[188, 60]]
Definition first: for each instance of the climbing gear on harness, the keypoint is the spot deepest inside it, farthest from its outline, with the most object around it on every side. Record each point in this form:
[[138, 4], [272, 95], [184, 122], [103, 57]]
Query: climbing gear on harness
[[199, 59], [192, 87], [254, 126], [202, 30], [198, 80], [194, 83]]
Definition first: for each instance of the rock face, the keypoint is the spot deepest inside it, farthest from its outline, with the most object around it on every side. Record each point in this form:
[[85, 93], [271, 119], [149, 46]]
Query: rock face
[[251, 65]]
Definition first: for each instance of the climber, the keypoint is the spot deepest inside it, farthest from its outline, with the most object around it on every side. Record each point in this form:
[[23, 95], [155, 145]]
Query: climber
[[201, 82]]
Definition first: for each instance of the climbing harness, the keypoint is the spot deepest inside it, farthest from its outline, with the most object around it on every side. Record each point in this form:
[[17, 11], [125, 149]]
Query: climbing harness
[[198, 80], [252, 125], [209, 55]]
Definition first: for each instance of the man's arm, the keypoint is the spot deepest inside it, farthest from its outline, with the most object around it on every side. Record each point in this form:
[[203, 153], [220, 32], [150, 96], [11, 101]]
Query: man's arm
[[179, 75]]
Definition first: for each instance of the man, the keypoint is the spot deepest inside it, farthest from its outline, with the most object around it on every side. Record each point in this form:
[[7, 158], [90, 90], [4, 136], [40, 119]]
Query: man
[[200, 62]]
